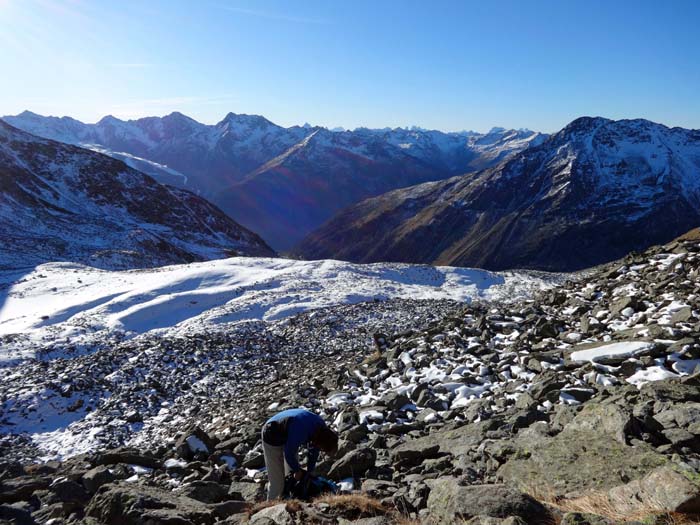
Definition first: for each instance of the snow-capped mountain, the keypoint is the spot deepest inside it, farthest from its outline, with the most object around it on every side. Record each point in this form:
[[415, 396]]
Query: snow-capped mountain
[[59, 202], [281, 182], [588, 194]]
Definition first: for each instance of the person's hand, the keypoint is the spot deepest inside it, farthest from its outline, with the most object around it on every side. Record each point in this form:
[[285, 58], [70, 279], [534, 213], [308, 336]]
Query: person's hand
[[299, 475]]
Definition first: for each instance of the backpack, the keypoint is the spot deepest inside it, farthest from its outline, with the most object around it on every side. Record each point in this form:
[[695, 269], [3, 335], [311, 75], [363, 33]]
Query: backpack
[[308, 488]]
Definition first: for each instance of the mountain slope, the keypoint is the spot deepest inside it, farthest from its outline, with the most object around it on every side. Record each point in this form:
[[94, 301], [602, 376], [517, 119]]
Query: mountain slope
[[590, 193], [62, 203], [281, 182]]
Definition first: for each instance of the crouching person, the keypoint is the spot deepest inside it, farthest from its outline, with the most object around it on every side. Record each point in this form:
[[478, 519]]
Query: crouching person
[[283, 435]]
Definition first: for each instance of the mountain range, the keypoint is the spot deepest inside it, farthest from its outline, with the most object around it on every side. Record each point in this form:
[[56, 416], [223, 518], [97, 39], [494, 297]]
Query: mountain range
[[588, 194], [59, 202], [281, 182]]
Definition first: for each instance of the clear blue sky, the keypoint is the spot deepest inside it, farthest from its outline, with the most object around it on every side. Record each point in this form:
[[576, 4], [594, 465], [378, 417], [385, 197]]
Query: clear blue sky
[[439, 64]]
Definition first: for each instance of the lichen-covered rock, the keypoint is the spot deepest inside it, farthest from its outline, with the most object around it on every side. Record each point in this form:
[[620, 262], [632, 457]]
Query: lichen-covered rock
[[353, 464], [666, 489], [141, 505], [450, 502]]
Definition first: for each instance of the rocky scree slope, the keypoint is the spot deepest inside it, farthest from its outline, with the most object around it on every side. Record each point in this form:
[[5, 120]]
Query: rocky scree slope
[[590, 193], [63, 203], [281, 182], [586, 397]]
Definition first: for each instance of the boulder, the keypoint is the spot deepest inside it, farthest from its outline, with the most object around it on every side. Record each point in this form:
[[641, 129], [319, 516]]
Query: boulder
[[68, 491], [128, 456], [94, 478], [11, 469], [451, 503], [15, 515], [279, 514], [588, 454], [414, 452], [246, 491], [205, 491], [353, 464], [394, 401], [122, 504], [194, 442], [376, 488], [666, 489], [21, 488], [607, 418]]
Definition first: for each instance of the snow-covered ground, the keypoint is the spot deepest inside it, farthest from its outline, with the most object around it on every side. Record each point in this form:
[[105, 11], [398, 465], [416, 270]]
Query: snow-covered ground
[[69, 301]]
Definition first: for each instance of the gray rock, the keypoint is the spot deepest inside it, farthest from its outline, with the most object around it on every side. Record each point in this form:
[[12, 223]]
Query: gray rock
[[93, 479], [205, 491], [276, 514], [347, 419], [247, 491], [590, 453], [620, 304], [128, 456], [665, 488], [414, 452], [353, 464], [194, 442], [680, 437], [254, 459], [141, 505], [376, 520], [68, 491], [683, 315], [377, 488], [21, 488], [451, 503], [394, 401]]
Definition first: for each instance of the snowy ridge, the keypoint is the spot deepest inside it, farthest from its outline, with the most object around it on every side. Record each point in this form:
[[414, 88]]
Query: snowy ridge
[[81, 304]]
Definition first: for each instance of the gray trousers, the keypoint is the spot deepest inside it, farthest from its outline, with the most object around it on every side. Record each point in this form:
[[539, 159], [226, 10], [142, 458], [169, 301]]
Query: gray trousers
[[277, 469]]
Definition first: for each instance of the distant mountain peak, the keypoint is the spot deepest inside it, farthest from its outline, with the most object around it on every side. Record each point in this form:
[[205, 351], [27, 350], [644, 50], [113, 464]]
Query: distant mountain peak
[[177, 115], [109, 119], [29, 114], [583, 124], [245, 119]]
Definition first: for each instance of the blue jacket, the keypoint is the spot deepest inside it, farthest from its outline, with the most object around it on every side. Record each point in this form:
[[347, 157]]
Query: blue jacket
[[292, 429]]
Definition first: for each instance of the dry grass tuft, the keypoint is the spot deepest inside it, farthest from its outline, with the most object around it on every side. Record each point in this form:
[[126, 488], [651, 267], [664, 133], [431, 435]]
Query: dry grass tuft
[[674, 518], [603, 503], [358, 505], [292, 505]]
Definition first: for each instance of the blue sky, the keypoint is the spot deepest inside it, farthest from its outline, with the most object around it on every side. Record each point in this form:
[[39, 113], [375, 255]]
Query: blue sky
[[437, 64]]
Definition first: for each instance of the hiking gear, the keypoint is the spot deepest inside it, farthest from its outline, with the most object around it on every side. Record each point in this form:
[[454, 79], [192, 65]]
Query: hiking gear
[[308, 488]]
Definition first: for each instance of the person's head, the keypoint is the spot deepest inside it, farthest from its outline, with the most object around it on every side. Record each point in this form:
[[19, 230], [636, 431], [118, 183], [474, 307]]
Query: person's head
[[326, 440]]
